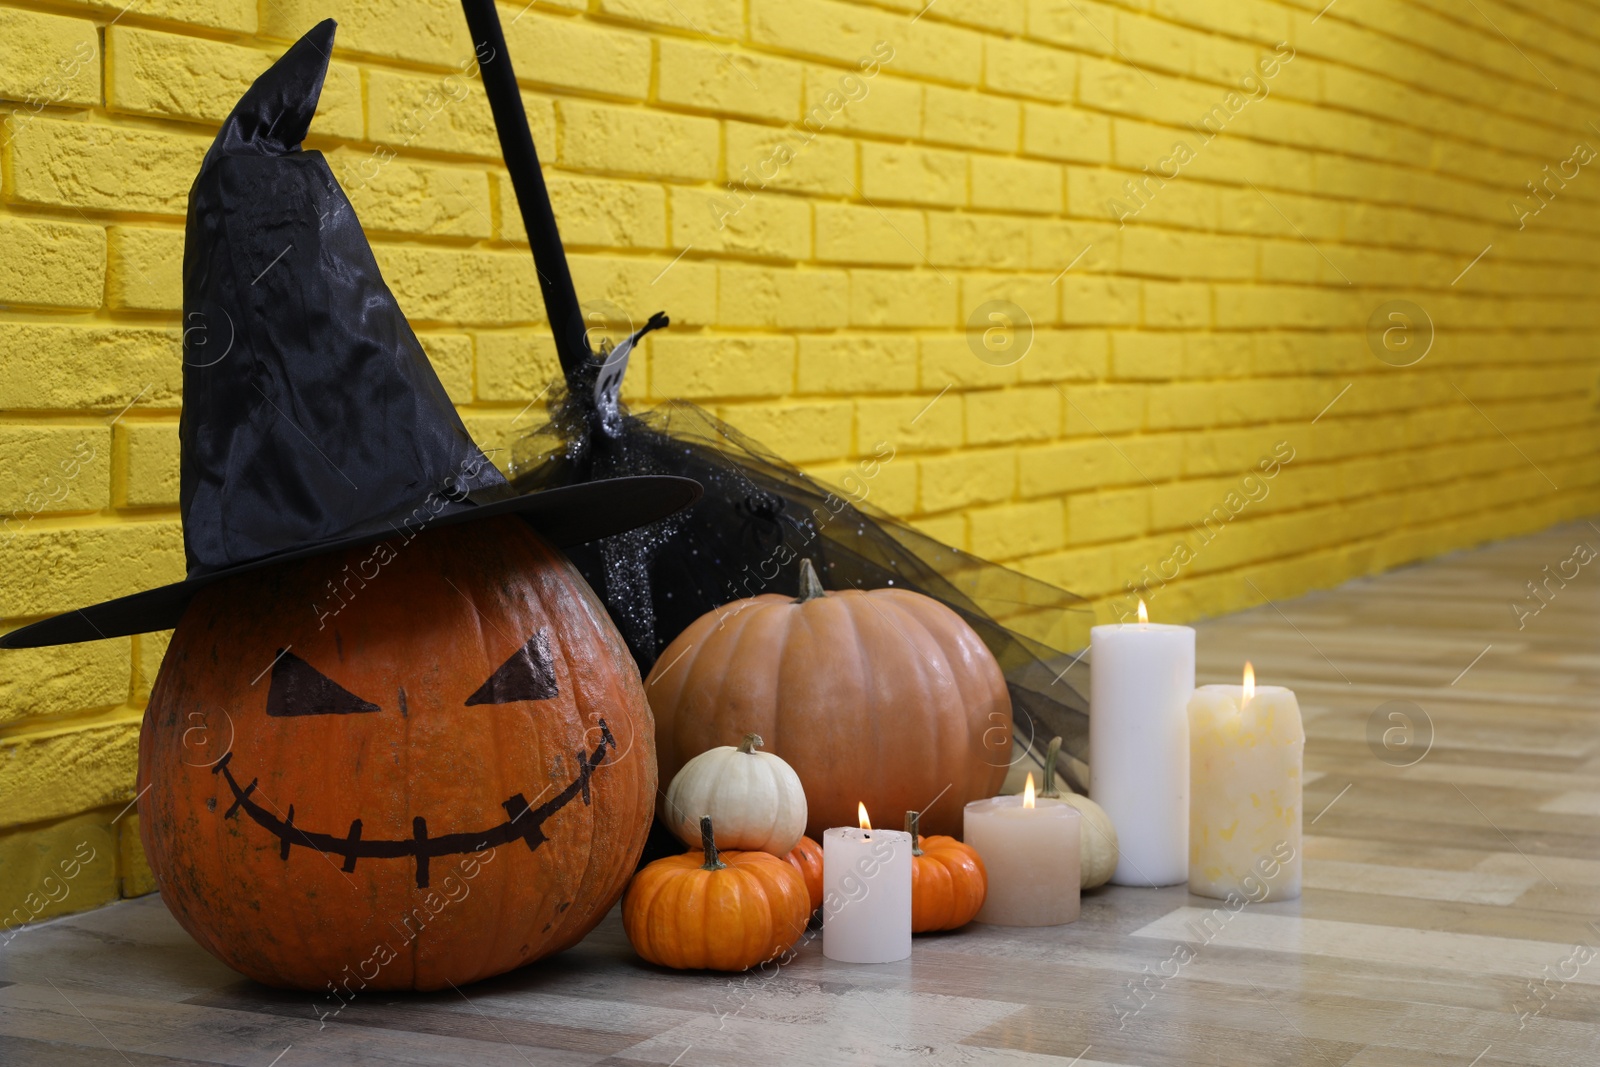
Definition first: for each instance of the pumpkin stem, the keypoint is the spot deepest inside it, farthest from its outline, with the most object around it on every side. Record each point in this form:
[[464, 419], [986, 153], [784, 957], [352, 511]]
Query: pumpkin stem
[[750, 743], [1050, 756], [709, 843], [810, 584], [913, 820]]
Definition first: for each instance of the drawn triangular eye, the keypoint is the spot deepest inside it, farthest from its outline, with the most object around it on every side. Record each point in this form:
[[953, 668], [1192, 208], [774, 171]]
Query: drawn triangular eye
[[298, 688], [528, 675]]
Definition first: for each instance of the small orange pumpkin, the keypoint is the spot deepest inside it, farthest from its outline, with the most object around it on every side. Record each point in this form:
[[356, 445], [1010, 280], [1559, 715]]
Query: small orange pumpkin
[[727, 913], [948, 881], [807, 859]]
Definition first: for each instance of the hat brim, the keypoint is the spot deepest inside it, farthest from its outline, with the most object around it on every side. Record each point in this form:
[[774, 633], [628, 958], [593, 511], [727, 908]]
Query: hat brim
[[567, 515]]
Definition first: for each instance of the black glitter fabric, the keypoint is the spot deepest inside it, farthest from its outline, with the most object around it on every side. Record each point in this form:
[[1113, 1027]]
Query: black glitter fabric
[[758, 517]]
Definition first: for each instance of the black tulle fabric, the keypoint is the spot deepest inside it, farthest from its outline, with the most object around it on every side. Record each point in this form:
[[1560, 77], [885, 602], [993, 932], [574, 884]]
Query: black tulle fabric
[[758, 516]]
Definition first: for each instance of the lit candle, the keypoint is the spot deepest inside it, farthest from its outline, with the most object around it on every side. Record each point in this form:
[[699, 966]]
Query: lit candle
[[1030, 847], [1248, 752], [1140, 678], [866, 893]]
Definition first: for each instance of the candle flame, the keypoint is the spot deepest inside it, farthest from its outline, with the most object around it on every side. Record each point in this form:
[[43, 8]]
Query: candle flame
[[861, 810], [1027, 792], [1249, 682], [1144, 613]]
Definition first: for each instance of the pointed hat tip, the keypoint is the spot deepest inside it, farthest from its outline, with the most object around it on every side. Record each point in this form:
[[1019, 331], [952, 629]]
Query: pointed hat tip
[[322, 34], [275, 113]]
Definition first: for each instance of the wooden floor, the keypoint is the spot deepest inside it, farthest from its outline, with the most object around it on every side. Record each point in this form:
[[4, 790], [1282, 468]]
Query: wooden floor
[[1435, 893]]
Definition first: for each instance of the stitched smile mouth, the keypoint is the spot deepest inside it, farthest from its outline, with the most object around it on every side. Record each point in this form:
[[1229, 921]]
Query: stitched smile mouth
[[523, 822]]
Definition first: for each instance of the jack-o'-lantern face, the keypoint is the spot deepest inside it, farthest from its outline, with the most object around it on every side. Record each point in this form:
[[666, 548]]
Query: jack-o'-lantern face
[[415, 763]]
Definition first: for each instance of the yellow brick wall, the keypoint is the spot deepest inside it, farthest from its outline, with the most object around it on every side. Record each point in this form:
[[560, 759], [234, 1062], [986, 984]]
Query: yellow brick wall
[[1183, 327]]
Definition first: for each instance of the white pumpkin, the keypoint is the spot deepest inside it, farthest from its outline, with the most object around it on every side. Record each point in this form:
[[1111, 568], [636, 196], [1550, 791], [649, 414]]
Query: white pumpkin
[[1098, 858], [754, 798], [1098, 838]]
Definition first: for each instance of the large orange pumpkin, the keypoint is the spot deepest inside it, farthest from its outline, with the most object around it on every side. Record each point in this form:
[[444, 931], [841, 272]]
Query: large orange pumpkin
[[884, 696], [403, 766]]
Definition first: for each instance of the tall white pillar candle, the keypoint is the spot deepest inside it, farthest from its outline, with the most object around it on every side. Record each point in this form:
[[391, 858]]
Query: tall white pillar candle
[[1140, 678], [1248, 752], [1031, 855], [866, 895]]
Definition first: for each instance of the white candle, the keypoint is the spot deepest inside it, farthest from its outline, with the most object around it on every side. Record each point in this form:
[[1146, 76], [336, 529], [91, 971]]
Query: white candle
[[866, 894], [1031, 853], [1140, 678], [1248, 749]]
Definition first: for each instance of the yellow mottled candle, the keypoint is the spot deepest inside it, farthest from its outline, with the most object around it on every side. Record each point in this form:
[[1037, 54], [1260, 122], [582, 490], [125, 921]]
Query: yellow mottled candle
[[1246, 752]]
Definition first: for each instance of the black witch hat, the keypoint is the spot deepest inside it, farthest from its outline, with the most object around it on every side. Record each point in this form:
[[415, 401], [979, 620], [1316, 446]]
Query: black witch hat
[[312, 420]]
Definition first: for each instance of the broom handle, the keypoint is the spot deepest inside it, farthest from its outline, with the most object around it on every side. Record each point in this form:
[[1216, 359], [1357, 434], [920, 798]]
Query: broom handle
[[533, 199]]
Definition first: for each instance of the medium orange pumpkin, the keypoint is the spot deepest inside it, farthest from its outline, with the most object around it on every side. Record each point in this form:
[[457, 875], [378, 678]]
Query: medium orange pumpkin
[[948, 881], [715, 911], [884, 696], [807, 859], [407, 765]]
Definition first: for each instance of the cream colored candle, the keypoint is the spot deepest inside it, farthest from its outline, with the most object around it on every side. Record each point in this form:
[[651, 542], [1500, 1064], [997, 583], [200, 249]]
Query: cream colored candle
[[1247, 750], [1030, 850], [866, 893]]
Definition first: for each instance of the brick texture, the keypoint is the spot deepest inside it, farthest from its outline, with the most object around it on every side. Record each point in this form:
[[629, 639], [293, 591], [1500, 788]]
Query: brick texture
[[1197, 207], [48, 60]]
